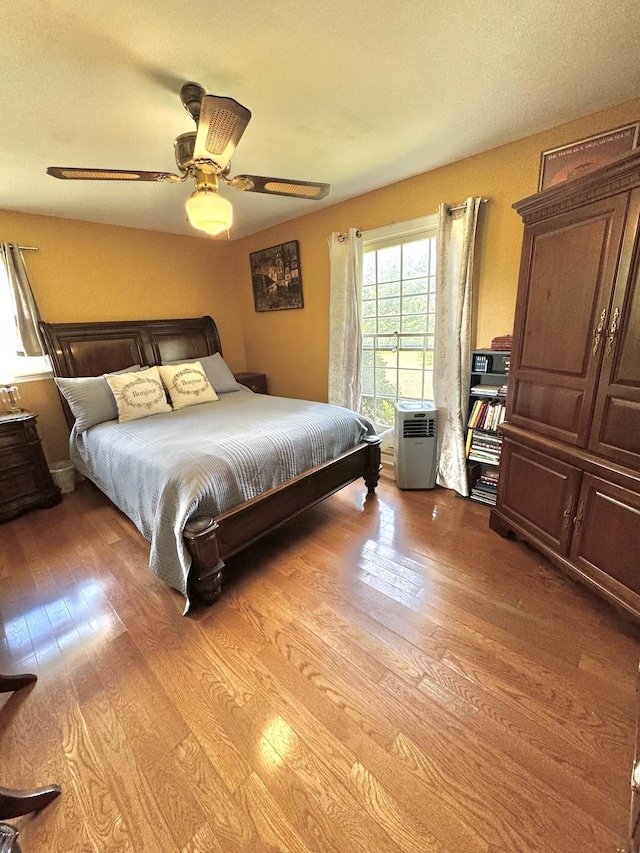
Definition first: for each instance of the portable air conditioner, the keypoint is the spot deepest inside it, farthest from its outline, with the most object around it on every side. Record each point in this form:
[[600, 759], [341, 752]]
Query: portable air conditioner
[[415, 439]]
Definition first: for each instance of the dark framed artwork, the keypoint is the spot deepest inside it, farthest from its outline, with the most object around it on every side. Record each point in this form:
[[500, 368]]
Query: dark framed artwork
[[579, 158], [276, 277]]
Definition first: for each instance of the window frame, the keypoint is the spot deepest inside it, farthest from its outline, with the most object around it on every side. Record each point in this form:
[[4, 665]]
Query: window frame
[[24, 368], [420, 228]]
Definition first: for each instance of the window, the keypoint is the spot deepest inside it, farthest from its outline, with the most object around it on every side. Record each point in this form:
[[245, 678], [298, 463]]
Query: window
[[398, 316], [11, 362]]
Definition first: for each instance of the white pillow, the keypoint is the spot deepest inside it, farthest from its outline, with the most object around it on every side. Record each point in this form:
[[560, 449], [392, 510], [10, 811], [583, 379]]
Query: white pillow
[[187, 384], [138, 395]]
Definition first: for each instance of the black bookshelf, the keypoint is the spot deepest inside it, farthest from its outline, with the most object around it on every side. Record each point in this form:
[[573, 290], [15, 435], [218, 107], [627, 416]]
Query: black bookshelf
[[489, 373]]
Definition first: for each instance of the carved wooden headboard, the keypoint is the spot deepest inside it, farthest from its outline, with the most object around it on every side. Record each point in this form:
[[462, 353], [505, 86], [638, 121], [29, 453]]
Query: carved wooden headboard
[[91, 349]]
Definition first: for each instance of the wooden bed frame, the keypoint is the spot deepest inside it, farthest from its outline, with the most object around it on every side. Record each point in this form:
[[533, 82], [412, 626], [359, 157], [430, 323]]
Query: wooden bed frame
[[91, 349]]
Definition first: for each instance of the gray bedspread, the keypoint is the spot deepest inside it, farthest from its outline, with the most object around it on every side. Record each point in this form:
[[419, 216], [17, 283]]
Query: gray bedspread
[[207, 459]]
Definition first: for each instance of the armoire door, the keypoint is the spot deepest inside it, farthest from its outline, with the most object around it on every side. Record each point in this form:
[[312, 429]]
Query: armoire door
[[615, 433], [538, 494], [568, 269], [606, 535]]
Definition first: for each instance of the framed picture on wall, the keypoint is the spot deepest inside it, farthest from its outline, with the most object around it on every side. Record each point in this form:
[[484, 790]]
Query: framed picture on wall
[[579, 158], [276, 277]]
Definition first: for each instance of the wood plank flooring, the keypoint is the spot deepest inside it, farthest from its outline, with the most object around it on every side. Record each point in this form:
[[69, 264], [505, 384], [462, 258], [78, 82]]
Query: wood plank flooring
[[381, 675]]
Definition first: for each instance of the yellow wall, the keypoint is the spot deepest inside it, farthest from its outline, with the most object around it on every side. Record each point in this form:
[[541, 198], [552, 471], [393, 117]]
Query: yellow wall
[[87, 272], [291, 347]]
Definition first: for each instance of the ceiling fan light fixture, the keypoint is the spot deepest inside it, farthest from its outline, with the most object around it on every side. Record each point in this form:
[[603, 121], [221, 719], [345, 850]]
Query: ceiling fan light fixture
[[208, 211]]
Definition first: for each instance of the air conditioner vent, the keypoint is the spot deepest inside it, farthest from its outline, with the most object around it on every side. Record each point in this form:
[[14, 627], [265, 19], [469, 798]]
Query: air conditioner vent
[[425, 428]]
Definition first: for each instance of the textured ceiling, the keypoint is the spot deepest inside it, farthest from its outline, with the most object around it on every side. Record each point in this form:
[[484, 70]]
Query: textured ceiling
[[356, 94]]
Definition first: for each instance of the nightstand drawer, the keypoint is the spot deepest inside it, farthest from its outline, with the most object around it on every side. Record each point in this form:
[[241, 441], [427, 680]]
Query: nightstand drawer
[[25, 479], [256, 381]]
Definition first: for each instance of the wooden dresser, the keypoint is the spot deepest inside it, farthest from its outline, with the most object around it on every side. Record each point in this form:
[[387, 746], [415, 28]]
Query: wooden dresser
[[570, 464], [25, 481]]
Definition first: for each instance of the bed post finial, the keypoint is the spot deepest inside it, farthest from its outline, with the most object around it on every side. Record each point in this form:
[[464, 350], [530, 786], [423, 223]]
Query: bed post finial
[[373, 466], [205, 575]]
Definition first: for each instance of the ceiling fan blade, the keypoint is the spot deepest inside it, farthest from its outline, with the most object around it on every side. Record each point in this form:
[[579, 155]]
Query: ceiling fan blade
[[280, 186], [73, 174], [221, 125]]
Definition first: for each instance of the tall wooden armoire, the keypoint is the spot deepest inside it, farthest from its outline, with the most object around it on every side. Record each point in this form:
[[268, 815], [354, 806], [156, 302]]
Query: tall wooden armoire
[[570, 465]]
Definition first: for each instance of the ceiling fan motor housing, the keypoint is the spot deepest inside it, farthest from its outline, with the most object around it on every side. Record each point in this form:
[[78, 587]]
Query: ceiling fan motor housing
[[191, 95], [183, 147]]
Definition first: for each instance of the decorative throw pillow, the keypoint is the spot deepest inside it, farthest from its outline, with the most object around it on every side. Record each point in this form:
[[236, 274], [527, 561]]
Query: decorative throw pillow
[[216, 370], [138, 395], [187, 384], [90, 399]]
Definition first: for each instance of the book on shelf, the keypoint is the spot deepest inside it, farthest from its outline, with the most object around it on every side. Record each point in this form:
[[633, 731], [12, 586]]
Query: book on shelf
[[483, 497], [485, 390], [486, 414]]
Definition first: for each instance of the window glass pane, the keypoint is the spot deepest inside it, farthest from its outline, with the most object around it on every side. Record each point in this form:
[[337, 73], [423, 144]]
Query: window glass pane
[[387, 381], [389, 324], [384, 412], [410, 384], [369, 326], [369, 308], [412, 343], [428, 385], [432, 256], [415, 258], [389, 264], [367, 379], [414, 285], [414, 304], [386, 343], [411, 358], [388, 306], [391, 288], [368, 407], [369, 268], [414, 324]]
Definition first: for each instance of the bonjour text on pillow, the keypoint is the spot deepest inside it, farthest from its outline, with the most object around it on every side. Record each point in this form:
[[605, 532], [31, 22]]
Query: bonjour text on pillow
[[216, 370], [187, 384], [138, 395]]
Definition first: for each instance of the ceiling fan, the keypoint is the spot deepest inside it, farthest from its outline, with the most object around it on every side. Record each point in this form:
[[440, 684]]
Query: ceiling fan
[[205, 156]]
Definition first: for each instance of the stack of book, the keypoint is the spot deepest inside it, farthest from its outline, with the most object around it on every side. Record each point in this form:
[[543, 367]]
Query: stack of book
[[483, 447], [485, 489], [487, 414]]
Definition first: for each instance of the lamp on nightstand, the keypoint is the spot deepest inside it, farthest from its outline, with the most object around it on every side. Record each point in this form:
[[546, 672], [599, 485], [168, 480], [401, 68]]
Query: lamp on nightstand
[[9, 394]]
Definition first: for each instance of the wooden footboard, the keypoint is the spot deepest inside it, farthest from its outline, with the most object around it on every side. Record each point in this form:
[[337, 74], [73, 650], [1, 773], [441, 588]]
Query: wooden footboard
[[211, 541]]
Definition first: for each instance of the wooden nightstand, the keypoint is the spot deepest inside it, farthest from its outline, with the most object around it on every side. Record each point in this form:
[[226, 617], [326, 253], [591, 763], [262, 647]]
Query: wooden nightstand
[[25, 480], [256, 381]]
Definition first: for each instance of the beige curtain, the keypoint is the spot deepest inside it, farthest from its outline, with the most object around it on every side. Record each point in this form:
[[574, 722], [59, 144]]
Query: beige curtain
[[454, 290], [28, 341], [345, 322]]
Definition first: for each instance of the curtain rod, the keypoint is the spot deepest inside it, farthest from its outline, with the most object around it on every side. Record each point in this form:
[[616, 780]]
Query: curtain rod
[[463, 206], [29, 248]]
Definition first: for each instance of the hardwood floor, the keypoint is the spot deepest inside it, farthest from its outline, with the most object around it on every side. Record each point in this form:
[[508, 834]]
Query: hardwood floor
[[380, 675]]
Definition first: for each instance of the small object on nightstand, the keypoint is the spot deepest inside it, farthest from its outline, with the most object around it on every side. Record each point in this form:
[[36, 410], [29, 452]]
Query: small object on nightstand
[[256, 381], [9, 394], [25, 480]]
